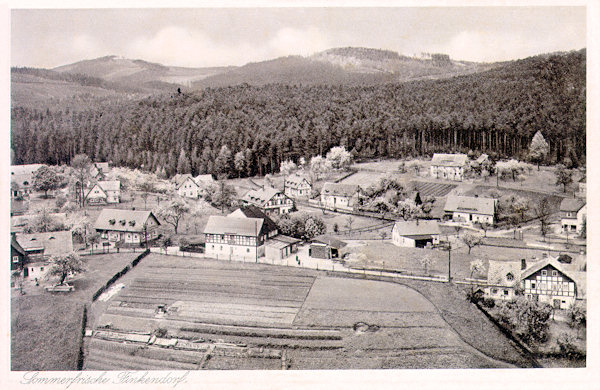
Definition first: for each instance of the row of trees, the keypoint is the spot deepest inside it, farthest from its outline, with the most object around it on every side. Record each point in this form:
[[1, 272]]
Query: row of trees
[[244, 130]]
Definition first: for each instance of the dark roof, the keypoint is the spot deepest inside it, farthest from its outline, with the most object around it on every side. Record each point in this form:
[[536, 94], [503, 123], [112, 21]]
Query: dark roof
[[251, 211], [15, 244], [469, 204], [231, 225], [571, 204], [337, 189], [134, 220], [417, 228]]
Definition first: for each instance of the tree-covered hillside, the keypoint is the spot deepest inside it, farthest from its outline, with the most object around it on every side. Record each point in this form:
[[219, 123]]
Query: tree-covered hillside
[[496, 112]]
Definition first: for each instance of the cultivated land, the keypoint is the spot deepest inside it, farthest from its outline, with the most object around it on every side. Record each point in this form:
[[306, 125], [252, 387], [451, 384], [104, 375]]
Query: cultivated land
[[229, 315], [45, 327]]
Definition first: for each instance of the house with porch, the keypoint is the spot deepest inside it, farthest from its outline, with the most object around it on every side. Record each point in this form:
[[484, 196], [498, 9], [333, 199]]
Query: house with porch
[[296, 186], [416, 234], [133, 227], [104, 192], [340, 196], [269, 200], [470, 209], [448, 166], [572, 214]]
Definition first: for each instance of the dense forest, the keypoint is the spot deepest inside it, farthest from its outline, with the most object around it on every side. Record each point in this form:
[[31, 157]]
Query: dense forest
[[496, 112]]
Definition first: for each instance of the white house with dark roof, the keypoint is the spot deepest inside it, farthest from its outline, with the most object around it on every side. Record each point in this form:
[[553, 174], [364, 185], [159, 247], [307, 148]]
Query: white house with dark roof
[[296, 186], [572, 214], [125, 226], [448, 166], [416, 234], [340, 196], [470, 209], [235, 237], [270, 200], [104, 192]]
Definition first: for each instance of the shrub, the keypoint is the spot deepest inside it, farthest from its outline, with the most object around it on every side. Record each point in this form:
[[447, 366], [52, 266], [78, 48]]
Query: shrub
[[567, 347], [160, 332], [489, 303]]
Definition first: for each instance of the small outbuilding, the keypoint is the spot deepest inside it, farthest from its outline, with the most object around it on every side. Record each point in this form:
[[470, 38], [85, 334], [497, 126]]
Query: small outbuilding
[[325, 247], [416, 234]]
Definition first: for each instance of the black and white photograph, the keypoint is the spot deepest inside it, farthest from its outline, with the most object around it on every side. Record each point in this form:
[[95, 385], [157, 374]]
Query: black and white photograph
[[347, 189]]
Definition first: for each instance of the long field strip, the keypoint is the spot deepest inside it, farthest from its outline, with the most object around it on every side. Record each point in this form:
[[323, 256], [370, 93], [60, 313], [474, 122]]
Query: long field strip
[[433, 189], [228, 315]]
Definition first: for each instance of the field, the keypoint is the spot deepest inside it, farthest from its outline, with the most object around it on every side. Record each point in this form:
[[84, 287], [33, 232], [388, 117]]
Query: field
[[45, 327], [208, 314]]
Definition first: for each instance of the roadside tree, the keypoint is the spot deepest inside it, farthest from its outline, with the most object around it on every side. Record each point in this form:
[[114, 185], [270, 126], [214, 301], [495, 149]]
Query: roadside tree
[[81, 164], [543, 213], [563, 176]]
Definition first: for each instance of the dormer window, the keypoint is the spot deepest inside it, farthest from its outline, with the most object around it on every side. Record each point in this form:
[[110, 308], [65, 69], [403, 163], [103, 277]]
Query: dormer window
[[52, 238], [112, 221], [510, 277], [131, 223], [122, 222]]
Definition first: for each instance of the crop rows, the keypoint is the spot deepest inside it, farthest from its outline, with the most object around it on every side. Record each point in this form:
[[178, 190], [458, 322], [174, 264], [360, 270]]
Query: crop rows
[[112, 360], [434, 189]]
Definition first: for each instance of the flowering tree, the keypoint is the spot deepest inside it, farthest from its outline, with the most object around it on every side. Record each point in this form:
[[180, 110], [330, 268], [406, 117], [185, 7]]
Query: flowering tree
[[538, 149], [62, 266], [339, 157]]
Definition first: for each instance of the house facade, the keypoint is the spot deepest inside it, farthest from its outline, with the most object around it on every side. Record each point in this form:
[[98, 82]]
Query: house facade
[[270, 201], [503, 279], [118, 226], [104, 192], [416, 234], [18, 257], [235, 237], [297, 187], [572, 214], [470, 209], [340, 196], [448, 166], [547, 282], [188, 188], [22, 176]]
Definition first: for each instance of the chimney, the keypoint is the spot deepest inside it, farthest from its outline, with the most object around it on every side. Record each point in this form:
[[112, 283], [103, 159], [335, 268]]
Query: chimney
[[523, 264]]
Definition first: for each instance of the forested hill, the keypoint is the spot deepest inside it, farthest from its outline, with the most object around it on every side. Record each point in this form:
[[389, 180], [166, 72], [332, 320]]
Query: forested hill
[[496, 112]]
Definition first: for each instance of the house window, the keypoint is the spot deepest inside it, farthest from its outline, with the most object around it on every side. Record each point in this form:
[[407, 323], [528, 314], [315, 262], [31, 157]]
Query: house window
[[544, 273], [509, 277], [247, 250], [494, 291], [554, 273], [532, 284], [15, 259], [505, 292]]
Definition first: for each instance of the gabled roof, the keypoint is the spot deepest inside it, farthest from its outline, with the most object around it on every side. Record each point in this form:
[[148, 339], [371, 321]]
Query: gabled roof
[[123, 220], [251, 211], [53, 243], [232, 225], [331, 241], [482, 158], [499, 270], [110, 185], [571, 204], [260, 197], [102, 167], [449, 160], [94, 186], [295, 181], [16, 246], [181, 179], [204, 179], [470, 204], [552, 261], [337, 189], [417, 228]]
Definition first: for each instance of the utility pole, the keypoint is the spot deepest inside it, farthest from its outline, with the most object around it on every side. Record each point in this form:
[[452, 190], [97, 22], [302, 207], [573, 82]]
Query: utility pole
[[256, 246], [449, 273]]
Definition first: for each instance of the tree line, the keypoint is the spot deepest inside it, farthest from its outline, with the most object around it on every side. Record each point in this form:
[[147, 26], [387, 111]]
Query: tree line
[[243, 130]]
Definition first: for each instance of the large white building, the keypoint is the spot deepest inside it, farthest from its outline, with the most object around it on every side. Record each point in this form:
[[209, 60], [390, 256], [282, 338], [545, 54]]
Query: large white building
[[470, 209], [269, 200], [416, 234], [448, 166], [235, 237]]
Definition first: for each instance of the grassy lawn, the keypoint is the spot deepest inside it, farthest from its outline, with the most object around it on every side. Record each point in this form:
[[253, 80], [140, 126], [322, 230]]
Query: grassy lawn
[[45, 327], [331, 218]]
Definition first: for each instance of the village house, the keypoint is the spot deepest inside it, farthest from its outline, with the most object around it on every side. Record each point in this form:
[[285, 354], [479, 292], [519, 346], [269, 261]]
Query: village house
[[470, 209], [416, 234], [336, 196], [270, 201], [204, 181], [235, 237], [448, 166], [503, 279], [18, 257], [40, 248], [572, 214], [296, 186], [22, 176], [99, 170], [187, 187], [118, 226], [104, 192], [582, 187]]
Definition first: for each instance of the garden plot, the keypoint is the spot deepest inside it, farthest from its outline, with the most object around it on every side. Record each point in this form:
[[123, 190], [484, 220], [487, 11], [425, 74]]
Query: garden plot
[[432, 189]]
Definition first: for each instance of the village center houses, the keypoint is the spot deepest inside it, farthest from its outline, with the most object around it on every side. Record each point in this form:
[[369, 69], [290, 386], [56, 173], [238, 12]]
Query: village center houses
[[340, 196], [572, 214]]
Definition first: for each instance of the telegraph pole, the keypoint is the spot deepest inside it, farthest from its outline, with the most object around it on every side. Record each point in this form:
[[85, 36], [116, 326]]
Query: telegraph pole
[[256, 246], [449, 250]]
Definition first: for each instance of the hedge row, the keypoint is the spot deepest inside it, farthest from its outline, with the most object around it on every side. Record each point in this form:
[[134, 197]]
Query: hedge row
[[119, 274]]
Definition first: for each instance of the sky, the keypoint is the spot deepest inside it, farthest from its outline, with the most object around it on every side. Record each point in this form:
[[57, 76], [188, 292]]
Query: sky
[[46, 38]]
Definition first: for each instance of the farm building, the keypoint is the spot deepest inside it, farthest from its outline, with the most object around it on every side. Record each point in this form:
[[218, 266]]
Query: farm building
[[572, 214], [40, 246], [416, 233], [235, 237], [22, 176], [187, 187], [99, 170], [18, 257], [270, 200], [280, 247], [296, 186], [448, 166], [104, 192], [470, 209], [125, 227], [340, 196], [204, 181], [325, 247]]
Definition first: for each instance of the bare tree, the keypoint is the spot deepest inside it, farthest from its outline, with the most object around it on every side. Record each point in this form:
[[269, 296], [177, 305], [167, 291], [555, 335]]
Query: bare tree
[[543, 212]]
